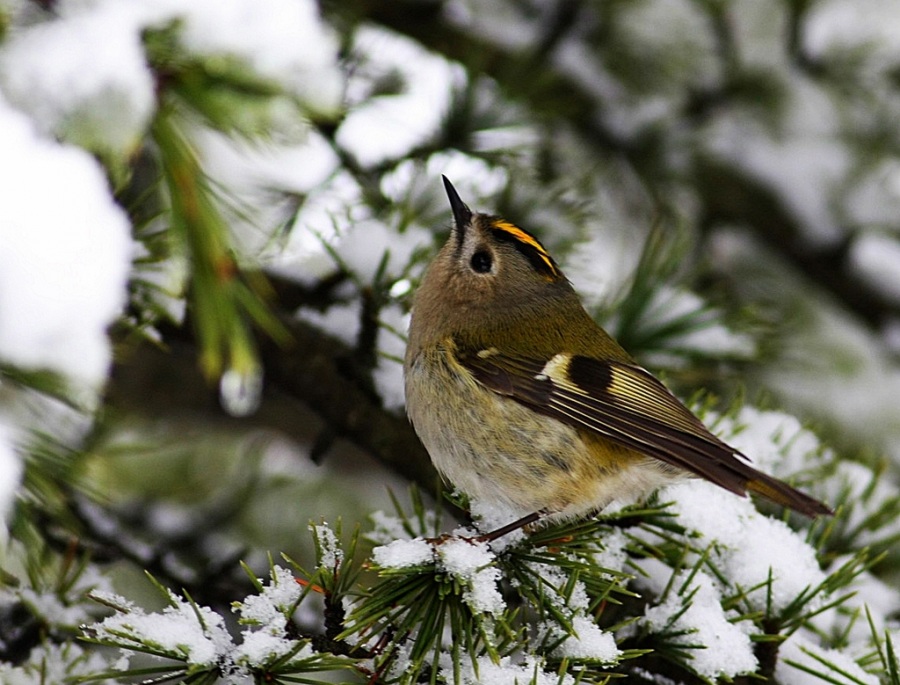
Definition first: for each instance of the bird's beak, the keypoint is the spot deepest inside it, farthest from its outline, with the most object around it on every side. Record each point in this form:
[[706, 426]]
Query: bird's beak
[[462, 215]]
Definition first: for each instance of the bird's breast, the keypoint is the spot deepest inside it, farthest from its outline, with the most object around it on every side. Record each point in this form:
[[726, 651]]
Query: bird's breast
[[497, 450]]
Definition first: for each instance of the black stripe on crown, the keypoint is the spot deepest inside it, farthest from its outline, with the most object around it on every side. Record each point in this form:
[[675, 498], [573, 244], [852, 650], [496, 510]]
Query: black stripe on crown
[[528, 245]]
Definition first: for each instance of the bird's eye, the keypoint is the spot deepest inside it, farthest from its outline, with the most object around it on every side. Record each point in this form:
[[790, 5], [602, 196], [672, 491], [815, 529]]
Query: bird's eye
[[481, 262]]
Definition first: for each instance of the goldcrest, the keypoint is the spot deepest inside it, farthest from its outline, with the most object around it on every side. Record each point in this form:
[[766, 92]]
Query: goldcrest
[[522, 400]]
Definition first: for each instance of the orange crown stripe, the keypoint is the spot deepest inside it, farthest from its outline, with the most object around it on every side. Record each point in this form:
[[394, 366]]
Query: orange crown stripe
[[524, 237]]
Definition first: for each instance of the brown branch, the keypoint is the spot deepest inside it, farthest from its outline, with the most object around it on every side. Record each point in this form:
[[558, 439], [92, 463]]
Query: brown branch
[[315, 372]]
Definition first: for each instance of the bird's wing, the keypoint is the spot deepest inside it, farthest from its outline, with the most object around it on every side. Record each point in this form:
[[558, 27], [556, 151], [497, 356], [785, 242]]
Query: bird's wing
[[627, 405]]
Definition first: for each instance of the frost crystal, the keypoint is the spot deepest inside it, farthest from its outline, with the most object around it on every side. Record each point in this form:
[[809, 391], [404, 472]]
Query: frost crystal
[[331, 554]]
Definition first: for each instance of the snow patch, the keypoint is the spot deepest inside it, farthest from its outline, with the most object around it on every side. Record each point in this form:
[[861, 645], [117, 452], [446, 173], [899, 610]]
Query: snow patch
[[63, 263], [727, 649]]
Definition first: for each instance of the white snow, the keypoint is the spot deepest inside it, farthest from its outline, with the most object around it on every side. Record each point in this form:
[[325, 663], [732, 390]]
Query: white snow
[[83, 78], [728, 650], [282, 40], [388, 374], [65, 253], [266, 637], [267, 608], [176, 629], [464, 557], [468, 560], [386, 528], [774, 441], [505, 672], [389, 527], [589, 642], [262, 180], [59, 607], [52, 663], [866, 496], [747, 546], [259, 648], [573, 601], [483, 596], [84, 75], [293, 157], [875, 257], [389, 126], [473, 177], [762, 25], [833, 368], [337, 202], [364, 244], [404, 554], [10, 473], [112, 599], [805, 155], [800, 649], [704, 330], [833, 26], [491, 515], [514, 26], [364, 247], [858, 395], [361, 242], [614, 553], [340, 320], [873, 198], [850, 619], [52, 608], [600, 265]]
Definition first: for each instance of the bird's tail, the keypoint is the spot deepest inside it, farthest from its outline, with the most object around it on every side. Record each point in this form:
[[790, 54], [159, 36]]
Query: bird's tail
[[783, 494]]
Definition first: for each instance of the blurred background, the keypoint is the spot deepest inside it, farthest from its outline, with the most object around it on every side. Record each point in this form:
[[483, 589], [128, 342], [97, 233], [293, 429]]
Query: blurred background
[[214, 216]]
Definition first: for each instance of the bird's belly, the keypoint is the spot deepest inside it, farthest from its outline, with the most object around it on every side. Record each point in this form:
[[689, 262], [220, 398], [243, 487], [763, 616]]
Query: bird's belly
[[499, 451]]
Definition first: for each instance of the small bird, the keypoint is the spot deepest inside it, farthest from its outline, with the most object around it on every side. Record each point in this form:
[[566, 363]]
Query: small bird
[[521, 399]]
